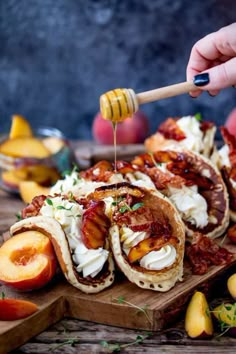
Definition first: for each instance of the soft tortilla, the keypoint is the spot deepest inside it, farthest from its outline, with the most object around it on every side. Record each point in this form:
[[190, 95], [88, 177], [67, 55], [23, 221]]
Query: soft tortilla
[[56, 234], [161, 280]]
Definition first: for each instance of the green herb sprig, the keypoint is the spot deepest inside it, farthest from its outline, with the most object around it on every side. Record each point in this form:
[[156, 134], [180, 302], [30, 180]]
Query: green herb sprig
[[117, 347]]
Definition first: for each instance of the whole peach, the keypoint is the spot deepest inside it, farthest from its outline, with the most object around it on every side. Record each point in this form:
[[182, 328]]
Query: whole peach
[[230, 122], [132, 130]]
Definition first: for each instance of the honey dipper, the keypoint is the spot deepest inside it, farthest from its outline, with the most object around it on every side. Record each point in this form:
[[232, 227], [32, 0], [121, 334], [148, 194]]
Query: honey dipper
[[118, 104]]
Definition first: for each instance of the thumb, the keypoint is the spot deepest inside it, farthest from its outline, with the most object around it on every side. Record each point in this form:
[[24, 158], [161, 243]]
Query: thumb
[[221, 76]]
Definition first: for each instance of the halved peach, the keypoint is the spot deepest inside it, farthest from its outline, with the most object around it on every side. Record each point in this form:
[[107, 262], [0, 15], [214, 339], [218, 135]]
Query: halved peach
[[20, 127], [15, 309], [30, 189], [27, 261], [24, 147]]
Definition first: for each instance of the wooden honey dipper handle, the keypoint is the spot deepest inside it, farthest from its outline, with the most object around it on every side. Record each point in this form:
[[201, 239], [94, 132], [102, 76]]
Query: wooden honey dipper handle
[[165, 92], [118, 104]]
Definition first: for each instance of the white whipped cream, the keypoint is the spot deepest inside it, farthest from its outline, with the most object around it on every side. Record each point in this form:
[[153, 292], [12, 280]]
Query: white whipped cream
[[72, 183], [194, 136], [191, 205], [223, 157], [140, 179], [89, 261], [69, 215], [157, 260], [154, 260]]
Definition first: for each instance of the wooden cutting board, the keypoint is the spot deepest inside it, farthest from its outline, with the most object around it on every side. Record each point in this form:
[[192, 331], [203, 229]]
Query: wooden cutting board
[[140, 309], [123, 304]]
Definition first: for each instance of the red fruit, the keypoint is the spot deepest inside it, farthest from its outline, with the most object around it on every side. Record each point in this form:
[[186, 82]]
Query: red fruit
[[230, 123], [231, 233], [132, 130], [14, 309]]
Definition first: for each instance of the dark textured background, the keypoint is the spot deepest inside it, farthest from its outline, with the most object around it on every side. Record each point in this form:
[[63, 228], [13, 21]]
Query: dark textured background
[[58, 56]]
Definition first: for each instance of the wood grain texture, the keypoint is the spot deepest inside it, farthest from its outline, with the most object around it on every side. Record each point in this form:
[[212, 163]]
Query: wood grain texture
[[59, 300]]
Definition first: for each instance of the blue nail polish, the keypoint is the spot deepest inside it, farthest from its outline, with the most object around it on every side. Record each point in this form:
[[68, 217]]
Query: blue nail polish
[[201, 79]]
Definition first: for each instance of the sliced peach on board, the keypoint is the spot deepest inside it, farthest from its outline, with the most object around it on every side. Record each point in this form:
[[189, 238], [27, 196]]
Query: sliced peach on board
[[231, 285], [24, 147], [27, 261], [10, 179], [53, 144], [198, 321], [20, 127], [15, 309], [30, 189], [38, 173]]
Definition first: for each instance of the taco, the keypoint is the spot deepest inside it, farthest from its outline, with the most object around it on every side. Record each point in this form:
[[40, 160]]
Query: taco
[[225, 159], [147, 235], [79, 233], [188, 132], [193, 184]]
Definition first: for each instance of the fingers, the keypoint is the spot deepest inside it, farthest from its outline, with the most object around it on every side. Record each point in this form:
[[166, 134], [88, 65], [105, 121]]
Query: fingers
[[216, 55]]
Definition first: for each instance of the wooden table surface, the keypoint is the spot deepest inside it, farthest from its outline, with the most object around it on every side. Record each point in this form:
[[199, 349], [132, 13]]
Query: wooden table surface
[[77, 336]]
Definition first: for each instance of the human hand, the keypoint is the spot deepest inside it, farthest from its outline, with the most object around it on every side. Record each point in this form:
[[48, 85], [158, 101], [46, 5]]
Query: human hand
[[212, 62]]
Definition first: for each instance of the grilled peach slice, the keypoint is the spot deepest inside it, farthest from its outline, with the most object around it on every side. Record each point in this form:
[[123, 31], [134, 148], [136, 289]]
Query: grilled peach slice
[[27, 261], [20, 127], [15, 309], [147, 245], [95, 225], [198, 321]]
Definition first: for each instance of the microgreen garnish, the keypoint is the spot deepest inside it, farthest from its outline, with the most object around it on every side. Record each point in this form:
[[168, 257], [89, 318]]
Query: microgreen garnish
[[157, 164], [3, 295], [18, 216], [61, 207], [224, 327], [117, 347], [143, 309], [69, 172], [117, 201], [198, 117], [49, 201], [126, 207]]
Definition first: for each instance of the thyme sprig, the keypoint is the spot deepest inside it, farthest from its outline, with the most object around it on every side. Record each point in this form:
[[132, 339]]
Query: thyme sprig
[[3, 295], [70, 341], [117, 347], [143, 309]]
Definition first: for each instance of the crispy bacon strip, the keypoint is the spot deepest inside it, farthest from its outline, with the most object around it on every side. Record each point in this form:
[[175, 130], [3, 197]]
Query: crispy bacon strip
[[204, 252], [100, 172], [34, 207], [230, 140], [170, 129]]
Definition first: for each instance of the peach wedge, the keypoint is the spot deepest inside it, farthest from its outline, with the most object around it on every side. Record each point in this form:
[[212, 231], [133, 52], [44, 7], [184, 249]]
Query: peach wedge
[[15, 309], [20, 127], [24, 147], [198, 321], [27, 261], [30, 189]]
